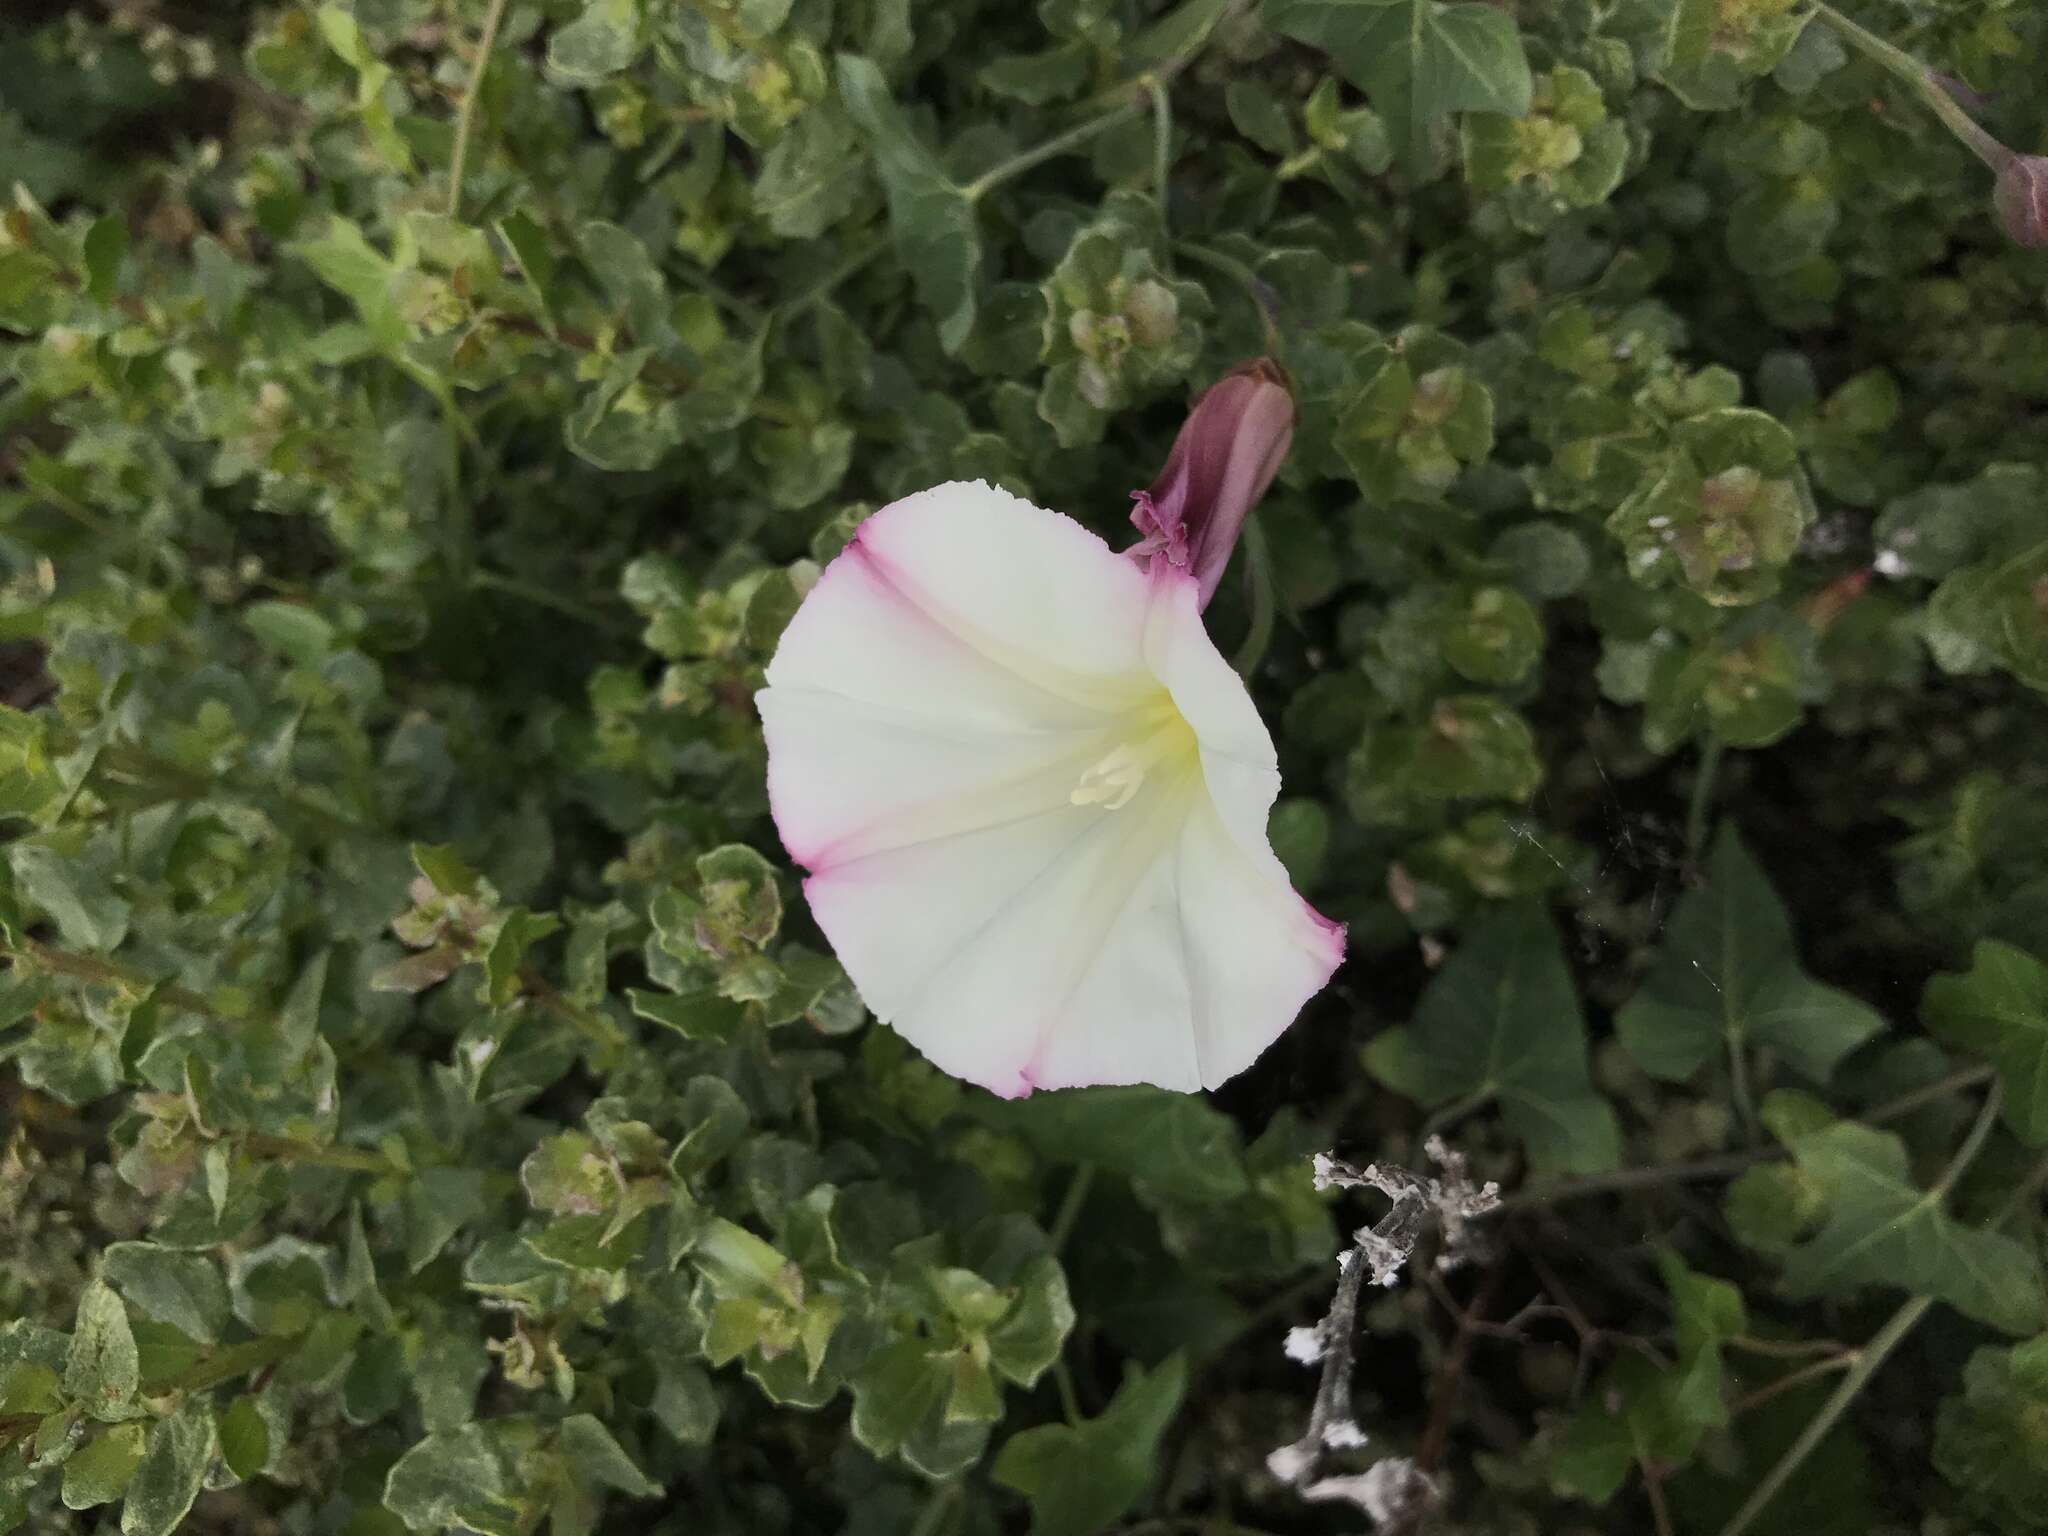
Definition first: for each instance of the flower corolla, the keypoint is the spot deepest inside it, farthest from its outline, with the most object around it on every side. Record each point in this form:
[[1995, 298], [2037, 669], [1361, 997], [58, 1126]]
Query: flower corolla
[[1031, 795]]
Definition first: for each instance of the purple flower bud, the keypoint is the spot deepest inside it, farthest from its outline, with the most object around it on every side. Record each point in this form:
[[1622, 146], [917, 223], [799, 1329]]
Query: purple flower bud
[[2022, 199], [1236, 437]]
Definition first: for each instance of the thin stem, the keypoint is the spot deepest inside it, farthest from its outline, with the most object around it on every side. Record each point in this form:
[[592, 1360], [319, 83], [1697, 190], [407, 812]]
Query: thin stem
[[348, 1159], [1702, 798], [228, 1363], [1787, 1349], [717, 293], [107, 973], [1255, 290], [1453, 1112], [932, 1518], [461, 517], [1960, 1081], [1070, 1207], [1727, 1164], [1925, 86], [526, 591], [1887, 1338], [1799, 1378], [1872, 1355], [465, 115], [1162, 155], [1059, 144], [1063, 1379], [832, 279], [1653, 1486], [1738, 1086], [1972, 1145]]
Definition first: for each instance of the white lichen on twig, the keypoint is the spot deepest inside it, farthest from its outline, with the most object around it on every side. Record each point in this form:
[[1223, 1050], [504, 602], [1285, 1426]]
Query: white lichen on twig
[[1393, 1489]]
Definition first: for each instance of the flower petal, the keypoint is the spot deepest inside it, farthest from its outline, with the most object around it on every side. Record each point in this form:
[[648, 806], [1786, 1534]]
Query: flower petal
[[931, 714]]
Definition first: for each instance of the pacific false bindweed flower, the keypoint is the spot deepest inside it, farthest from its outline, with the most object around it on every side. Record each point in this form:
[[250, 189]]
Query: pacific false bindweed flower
[[1031, 794]]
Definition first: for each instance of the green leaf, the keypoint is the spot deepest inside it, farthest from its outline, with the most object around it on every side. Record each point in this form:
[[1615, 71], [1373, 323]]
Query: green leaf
[[930, 217], [446, 870], [345, 261], [1640, 1411], [1708, 1312], [1987, 1437], [1419, 60], [602, 41], [595, 1458], [172, 1470], [895, 1392], [439, 1202], [106, 247], [1171, 1141], [432, 1483], [76, 895], [568, 1175], [811, 177], [1882, 1230], [182, 1289], [102, 1369], [1025, 1343], [715, 1117], [1999, 1010], [245, 1438], [517, 932], [534, 252], [1083, 1478], [100, 1472], [1727, 978], [1501, 1021], [701, 1015], [293, 630]]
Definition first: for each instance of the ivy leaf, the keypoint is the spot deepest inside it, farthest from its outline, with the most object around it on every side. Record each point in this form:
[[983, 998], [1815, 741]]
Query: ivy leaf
[[1728, 976], [1419, 60], [1642, 1411], [1502, 1021], [1999, 1009], [1081, 1478], [1708, 1312], [930, 216], [1883, 1230]]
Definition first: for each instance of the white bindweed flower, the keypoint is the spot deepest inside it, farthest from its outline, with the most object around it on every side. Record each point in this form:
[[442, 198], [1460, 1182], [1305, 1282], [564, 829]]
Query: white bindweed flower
[[1032, 799]]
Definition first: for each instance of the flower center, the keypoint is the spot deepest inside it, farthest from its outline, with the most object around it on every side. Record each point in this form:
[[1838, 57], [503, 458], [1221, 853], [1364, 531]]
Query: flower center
[[1153, 741]]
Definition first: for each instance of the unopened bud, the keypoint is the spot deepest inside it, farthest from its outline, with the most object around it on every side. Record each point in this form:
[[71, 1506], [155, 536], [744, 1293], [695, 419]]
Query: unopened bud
[[1227, 454], [2022, 199]]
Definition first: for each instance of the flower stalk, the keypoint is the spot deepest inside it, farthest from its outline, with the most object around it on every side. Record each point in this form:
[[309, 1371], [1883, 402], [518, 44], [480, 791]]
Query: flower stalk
[[2021, 195]]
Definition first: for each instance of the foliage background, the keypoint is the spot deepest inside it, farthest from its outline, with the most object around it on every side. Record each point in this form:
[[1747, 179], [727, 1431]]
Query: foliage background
[[427, 1104]]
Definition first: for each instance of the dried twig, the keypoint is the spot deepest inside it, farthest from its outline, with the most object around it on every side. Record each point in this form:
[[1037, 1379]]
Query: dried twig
[[1395, 1489]]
